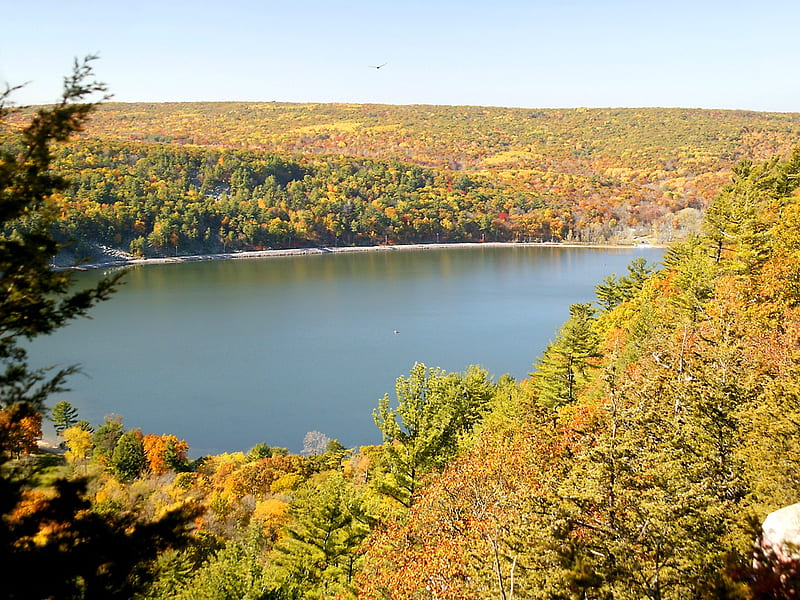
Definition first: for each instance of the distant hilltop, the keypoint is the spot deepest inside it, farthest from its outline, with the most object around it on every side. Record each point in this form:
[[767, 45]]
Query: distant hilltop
[[462, 137]]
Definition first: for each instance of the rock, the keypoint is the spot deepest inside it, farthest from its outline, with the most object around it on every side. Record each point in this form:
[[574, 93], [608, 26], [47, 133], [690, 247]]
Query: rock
[[781, 533]]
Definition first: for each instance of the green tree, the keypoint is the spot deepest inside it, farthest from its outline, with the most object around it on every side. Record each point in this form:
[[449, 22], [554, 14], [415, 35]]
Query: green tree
[[644, 504], [563, 368], [235, 572], [257, 452], [332, 457], [421, 434], [64, 416], [262, 450], [128, 460], [318, 555], [613, 291], [37, 299], [85, 425], [105, 438], [735, 225]]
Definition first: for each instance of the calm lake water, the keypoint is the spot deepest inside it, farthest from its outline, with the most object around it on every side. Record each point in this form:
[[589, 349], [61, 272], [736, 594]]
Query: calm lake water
[[227, 354]]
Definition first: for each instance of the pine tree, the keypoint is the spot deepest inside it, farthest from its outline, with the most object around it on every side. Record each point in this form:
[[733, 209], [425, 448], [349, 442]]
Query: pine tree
[[128, 460], [564, 367], [64, 416], [421, 434], [320, 549], [612, 291]]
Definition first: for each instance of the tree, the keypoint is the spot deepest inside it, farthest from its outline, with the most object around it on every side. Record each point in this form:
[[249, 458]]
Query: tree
[[79, 444], [481, 528], [331, 459], [613, 291], [20, 430], [563, 368], [128, 460], [235, 572], [737, 222], [88, 555], [421, 434], [320, 549], [164, 453], [315, 442], [105, 438], [37, 299], [64, 416], [262, 450]]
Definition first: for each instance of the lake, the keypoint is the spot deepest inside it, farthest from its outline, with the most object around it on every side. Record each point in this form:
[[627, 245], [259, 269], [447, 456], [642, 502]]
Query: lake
[[227, 354]]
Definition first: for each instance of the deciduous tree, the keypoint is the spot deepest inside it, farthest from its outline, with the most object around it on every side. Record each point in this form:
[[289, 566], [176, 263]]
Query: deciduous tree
[[79, 444], [164, 453]]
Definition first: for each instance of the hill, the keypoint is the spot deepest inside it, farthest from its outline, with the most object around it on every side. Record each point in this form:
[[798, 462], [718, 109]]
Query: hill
[[463, 137], [654, 434], [156, 179]]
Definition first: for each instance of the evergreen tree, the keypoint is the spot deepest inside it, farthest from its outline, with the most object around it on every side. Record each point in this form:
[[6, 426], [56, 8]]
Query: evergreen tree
[[319, 553], [37, 299], [421, 434], [128, 460], [564, 367], [235, 572], [612, 291], [105, 438], [64, 416]]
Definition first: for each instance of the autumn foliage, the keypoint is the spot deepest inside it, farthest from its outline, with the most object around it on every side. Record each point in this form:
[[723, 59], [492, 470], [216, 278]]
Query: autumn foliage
[[20, 430], [651, 481], [654, 434], [164, 453], [191, 178]]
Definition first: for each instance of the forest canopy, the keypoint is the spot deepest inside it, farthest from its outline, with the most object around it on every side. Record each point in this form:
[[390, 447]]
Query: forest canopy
[[166, 179], [653, 436]]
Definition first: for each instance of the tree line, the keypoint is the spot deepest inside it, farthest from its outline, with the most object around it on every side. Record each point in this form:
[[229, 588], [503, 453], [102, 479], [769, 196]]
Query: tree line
[[156, 199], [187, 178]]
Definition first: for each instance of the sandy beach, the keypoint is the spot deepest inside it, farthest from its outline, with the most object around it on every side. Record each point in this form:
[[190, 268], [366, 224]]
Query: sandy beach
[[133, 261]]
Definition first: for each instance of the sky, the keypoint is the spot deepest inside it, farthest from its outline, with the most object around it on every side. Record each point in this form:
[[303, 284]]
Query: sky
[[530, 54]]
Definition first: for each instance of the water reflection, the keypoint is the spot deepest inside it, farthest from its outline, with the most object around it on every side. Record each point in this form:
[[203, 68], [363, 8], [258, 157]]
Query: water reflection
[[229, 354]]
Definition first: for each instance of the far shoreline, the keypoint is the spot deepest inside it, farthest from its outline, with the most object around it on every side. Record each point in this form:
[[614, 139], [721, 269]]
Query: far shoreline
[[249, 254]]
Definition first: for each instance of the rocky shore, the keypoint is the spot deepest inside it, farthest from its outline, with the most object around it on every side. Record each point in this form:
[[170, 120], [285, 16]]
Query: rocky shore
[[120, 260]]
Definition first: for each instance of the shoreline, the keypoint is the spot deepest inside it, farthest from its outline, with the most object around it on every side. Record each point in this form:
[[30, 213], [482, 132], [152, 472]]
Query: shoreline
[[248, 254]]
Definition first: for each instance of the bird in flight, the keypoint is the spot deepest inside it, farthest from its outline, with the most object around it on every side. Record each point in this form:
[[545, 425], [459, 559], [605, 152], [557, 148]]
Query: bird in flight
[[378, 66]]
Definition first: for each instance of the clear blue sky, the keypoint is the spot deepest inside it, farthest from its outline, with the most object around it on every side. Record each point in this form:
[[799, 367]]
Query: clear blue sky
[[533, 54]]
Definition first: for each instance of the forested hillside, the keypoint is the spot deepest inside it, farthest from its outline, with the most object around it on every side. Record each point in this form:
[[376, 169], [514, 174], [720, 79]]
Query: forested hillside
[[654, 434], [165, 179], [637, 461]]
